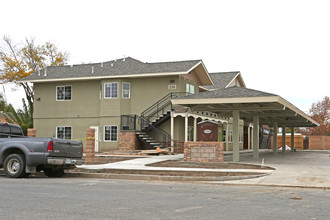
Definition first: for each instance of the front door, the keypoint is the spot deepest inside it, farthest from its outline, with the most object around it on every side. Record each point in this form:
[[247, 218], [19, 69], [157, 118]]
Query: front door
[[96, 135], [207, 131]]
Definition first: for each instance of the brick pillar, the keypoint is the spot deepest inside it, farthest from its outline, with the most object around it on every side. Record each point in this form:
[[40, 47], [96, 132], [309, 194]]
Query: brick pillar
[[90, 145], [32, 132]]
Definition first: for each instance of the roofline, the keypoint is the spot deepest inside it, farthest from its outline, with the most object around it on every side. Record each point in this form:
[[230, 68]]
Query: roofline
[[278, 99], [238, 74], [105, 77]]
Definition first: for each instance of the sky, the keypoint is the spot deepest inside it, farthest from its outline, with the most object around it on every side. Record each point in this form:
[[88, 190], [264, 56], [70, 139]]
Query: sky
[[280, 47]]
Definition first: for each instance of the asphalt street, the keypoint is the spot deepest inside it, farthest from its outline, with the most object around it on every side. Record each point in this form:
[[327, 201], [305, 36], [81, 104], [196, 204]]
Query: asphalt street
[[78, 198]]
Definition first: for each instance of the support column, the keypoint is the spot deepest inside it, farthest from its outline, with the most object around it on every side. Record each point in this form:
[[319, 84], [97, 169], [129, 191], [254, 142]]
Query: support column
[[186, 127], [227, 148], [172, 131], [235, 136], [292, 139], [283, 139], [275, 146], [255, 136], [249, 138], [195, 129]]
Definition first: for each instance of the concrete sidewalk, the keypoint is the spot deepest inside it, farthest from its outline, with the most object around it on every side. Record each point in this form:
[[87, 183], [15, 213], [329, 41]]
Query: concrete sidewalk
[[293, 169]]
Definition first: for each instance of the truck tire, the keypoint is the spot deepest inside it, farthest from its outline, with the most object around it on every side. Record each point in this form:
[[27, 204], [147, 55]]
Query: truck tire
[[54, 172], [14, 166]]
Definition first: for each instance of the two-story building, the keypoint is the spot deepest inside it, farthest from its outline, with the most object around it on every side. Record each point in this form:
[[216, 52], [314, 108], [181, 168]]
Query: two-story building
[[129, 95]]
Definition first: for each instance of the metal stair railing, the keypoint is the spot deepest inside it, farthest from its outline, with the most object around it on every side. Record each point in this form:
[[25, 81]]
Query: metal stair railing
[[166, 138], [160, 107]]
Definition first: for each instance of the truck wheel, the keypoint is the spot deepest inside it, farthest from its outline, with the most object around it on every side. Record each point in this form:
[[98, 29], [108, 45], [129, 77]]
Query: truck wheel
[[14, 166], [54, 172]]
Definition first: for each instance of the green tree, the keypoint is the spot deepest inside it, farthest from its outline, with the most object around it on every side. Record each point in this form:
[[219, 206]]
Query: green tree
[[22, 117]]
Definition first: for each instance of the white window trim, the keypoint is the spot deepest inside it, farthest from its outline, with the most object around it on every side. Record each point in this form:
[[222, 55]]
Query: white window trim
[[61, 100], [230, 134], [189, 86], [241, 137], [129, 91], [117, 91], [65, 126], [110, 133]]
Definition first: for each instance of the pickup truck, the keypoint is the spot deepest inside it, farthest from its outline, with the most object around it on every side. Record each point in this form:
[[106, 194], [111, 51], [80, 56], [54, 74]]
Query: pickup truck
[[21, 155]]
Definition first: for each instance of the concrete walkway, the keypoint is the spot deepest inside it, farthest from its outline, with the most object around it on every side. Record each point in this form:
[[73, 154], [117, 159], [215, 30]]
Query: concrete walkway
[[295, 169], [140, 164], [298, 169]]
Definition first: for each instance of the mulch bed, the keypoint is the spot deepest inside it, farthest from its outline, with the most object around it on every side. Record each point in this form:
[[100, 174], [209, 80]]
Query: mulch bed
[[167, 172], [208, 165]]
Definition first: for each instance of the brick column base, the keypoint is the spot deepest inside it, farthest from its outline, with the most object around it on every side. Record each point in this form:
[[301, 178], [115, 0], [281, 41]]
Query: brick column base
[[90, 145], [32, 132], [203, 151], [128, 141]]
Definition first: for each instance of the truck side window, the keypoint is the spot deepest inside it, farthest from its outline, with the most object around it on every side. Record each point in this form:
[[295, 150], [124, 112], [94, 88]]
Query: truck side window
[[6, 129], [16, 131]]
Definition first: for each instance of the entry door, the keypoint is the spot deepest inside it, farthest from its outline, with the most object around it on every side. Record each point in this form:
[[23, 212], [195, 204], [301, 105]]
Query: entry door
[[96, 135]]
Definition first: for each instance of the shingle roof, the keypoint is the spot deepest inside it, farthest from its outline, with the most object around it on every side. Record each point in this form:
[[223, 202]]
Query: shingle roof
[[231, 92], [221, 79], [111, 68]]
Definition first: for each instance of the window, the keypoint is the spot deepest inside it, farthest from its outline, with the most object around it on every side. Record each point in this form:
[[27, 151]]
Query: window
[[110, 133], [63, 93], [111, 90], [230, 136], [224, 136], [241, 137], [190, 88], [126, 90], [64, 132]]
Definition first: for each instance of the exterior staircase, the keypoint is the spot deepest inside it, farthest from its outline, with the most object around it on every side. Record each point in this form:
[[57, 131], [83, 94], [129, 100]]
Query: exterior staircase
[[147, 125]]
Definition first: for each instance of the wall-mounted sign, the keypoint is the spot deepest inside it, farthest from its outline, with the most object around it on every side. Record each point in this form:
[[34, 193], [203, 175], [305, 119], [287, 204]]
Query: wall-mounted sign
[[171, 87], [207, 131]]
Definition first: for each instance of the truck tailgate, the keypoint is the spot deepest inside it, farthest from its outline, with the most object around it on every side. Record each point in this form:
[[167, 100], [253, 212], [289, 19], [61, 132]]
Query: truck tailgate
[[66, 148]]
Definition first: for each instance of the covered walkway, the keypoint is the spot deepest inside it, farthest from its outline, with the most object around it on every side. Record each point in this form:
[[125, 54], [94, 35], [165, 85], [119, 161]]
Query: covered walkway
[[257, 107]]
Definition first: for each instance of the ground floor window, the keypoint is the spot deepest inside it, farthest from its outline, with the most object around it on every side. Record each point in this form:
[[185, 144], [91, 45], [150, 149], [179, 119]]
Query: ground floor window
[[241, 137], [110, 133], [64, 132], [230, 136]]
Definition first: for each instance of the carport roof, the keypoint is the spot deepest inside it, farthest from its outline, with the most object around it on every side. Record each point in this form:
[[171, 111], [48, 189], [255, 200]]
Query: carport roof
[[269, 107]]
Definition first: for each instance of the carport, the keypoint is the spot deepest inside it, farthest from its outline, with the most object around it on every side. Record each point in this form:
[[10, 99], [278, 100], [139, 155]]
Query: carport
[[250, 105]]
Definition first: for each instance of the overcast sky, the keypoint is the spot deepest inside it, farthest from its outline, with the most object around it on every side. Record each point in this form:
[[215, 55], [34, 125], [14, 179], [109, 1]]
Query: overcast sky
[[280, 47]]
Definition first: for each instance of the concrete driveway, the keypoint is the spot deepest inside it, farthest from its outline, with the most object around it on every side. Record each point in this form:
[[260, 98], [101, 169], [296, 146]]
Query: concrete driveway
[[301, 168]]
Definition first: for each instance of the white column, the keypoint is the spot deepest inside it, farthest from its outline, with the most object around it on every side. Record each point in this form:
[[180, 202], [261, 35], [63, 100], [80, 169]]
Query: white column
[[283, 139], [227, 148], [195, 129], [186, 127], [292, 139], [172, 131], [249, 146], [255, 136], [235, 136], [252, 137], [275, 146]]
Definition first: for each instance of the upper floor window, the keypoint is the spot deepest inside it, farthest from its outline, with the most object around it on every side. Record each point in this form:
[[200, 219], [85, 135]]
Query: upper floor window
[[190, 88], [63, 93], [126, 90], [64, 132], [111, 90]]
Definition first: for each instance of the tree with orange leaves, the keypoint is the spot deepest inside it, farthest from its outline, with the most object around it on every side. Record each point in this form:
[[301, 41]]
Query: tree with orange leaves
[[320, 112], [17, 62]]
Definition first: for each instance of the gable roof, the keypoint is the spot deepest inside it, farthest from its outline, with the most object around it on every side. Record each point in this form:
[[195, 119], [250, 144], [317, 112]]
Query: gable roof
[[127, 67], [223, 79]]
